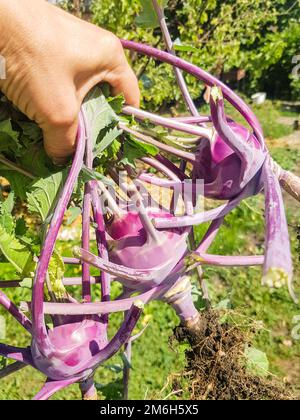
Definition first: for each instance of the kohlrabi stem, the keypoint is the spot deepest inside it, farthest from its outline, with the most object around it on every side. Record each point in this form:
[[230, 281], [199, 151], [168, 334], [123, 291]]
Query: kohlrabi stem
[[159, 182], [10, 284], [113, 306], [193, 120], [52, 387], [39, 328], [69, 281], [288, 181], [190, 157], [126, 370], [251, 158], [180, 298], [169, 123], [227, 261], [160, 167], [122, 336], [114, 269], [200, 74], [196, 219], [88, 390], [15, 312], [102, 246], [278, 267], [16, 353], [170, 165], [204, 245], [15, 167], [170, 48], [206, 216], [86, 216], [71, 261], [146, 221], [112, 204], [210, 235], [12, 368]]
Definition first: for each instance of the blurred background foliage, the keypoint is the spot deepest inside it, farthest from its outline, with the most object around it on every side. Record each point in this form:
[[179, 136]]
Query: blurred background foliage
[[258, 36]]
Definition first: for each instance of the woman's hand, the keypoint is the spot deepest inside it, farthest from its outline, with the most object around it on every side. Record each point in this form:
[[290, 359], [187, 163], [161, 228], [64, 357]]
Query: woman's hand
[[53, 59]]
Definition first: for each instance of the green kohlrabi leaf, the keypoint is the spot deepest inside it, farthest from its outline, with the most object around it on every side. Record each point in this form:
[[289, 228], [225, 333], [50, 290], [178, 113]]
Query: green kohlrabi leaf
[[15, 252], [7, 222], [31, 130], [91, 175], [36, 161], [43, 194], [7, 206], [134, 149], [99, 113], [19, 183], [107, 140], [9, 138]]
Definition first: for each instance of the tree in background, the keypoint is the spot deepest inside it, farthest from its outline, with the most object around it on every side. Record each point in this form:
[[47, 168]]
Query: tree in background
[[258, 36]]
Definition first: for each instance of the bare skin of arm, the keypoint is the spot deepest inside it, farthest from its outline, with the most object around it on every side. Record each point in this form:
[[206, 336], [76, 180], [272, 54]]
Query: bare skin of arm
[[53, 59]]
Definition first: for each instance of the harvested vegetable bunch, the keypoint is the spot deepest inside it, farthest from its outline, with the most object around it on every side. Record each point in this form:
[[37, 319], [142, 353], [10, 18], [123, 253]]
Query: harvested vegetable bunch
[[149, 249]]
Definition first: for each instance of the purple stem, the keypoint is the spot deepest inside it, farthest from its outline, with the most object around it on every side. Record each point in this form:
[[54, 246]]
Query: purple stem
[[10, 369], [204, 245], [289, 181], [126, 370], [16, 353], [210, 235], [228, 261], [86, 217], [10, 284], [113, 269], [159, 182], [160, 167], [15, 312], [39, 327], [122, 336], [70, 281], [71, 261], [88, 390], [180, 298], [170, 48], [278, 267], [207, 216], [51, 387], [200, 74], [193, 120], [110, 307], [251, 159], [102, 246], [170, 165], [77, 281], [168, 122]]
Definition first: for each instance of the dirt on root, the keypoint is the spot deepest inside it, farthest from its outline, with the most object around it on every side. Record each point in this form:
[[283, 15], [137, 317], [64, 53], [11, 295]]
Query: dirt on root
[[216, 364]]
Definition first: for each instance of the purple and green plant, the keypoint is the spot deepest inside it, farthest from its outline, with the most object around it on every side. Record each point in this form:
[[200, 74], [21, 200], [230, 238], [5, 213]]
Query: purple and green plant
[[151, 252]]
